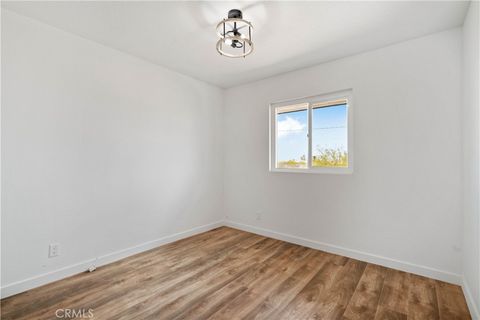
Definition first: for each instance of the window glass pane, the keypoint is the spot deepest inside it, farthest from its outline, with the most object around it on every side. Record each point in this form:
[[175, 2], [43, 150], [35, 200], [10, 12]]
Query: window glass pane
[[329, 136], [292, 139]]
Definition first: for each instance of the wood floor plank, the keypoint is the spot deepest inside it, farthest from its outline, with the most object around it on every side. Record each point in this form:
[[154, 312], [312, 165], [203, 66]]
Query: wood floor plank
[[422, 299], [274, 274], [393, 302], [230, 274], [289, 288], [394, 297], [333, 303], [306, 300], [366, 297], [387, 314], [451, 302], [213, 302]]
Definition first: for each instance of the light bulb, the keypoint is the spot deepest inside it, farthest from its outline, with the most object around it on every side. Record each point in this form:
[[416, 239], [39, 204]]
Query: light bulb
[[228, 41]]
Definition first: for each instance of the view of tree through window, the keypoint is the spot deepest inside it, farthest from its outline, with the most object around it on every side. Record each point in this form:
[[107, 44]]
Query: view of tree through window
[[329, 135]]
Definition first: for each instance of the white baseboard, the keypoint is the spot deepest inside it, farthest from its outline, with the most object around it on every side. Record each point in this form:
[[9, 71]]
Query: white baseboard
[[472, 306], [36, 281], [352, 253]]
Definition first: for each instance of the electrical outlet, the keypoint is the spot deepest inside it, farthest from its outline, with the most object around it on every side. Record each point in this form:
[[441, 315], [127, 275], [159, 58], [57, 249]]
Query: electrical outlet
[[259, 215], [53, 250]]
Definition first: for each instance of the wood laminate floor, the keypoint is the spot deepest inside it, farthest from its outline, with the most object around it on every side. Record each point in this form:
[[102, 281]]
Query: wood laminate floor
[[231, 274]]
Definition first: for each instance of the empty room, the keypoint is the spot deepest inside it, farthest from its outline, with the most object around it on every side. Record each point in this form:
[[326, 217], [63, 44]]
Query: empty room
[[240, 160]]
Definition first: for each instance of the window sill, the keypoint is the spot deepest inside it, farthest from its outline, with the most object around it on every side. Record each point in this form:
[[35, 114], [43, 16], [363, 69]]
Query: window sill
[[315, 170]]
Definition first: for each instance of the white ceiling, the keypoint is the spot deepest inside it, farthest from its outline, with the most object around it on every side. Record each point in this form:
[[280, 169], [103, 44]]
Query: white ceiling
[[287, 35]]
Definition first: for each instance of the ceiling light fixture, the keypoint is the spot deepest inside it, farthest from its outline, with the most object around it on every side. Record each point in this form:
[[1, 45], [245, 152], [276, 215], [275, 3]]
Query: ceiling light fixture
[[232, 42]]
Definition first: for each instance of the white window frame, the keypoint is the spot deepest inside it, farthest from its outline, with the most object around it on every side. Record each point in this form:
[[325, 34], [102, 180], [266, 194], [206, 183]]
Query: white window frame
[[344, 94]]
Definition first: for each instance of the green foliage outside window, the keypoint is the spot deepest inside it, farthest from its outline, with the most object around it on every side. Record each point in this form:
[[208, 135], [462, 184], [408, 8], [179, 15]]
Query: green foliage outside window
[[331, 158]]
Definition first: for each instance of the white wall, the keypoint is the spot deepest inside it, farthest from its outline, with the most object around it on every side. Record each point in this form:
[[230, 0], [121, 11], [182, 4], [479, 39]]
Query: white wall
[[101, 151], [471, 159], [401, 206]]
